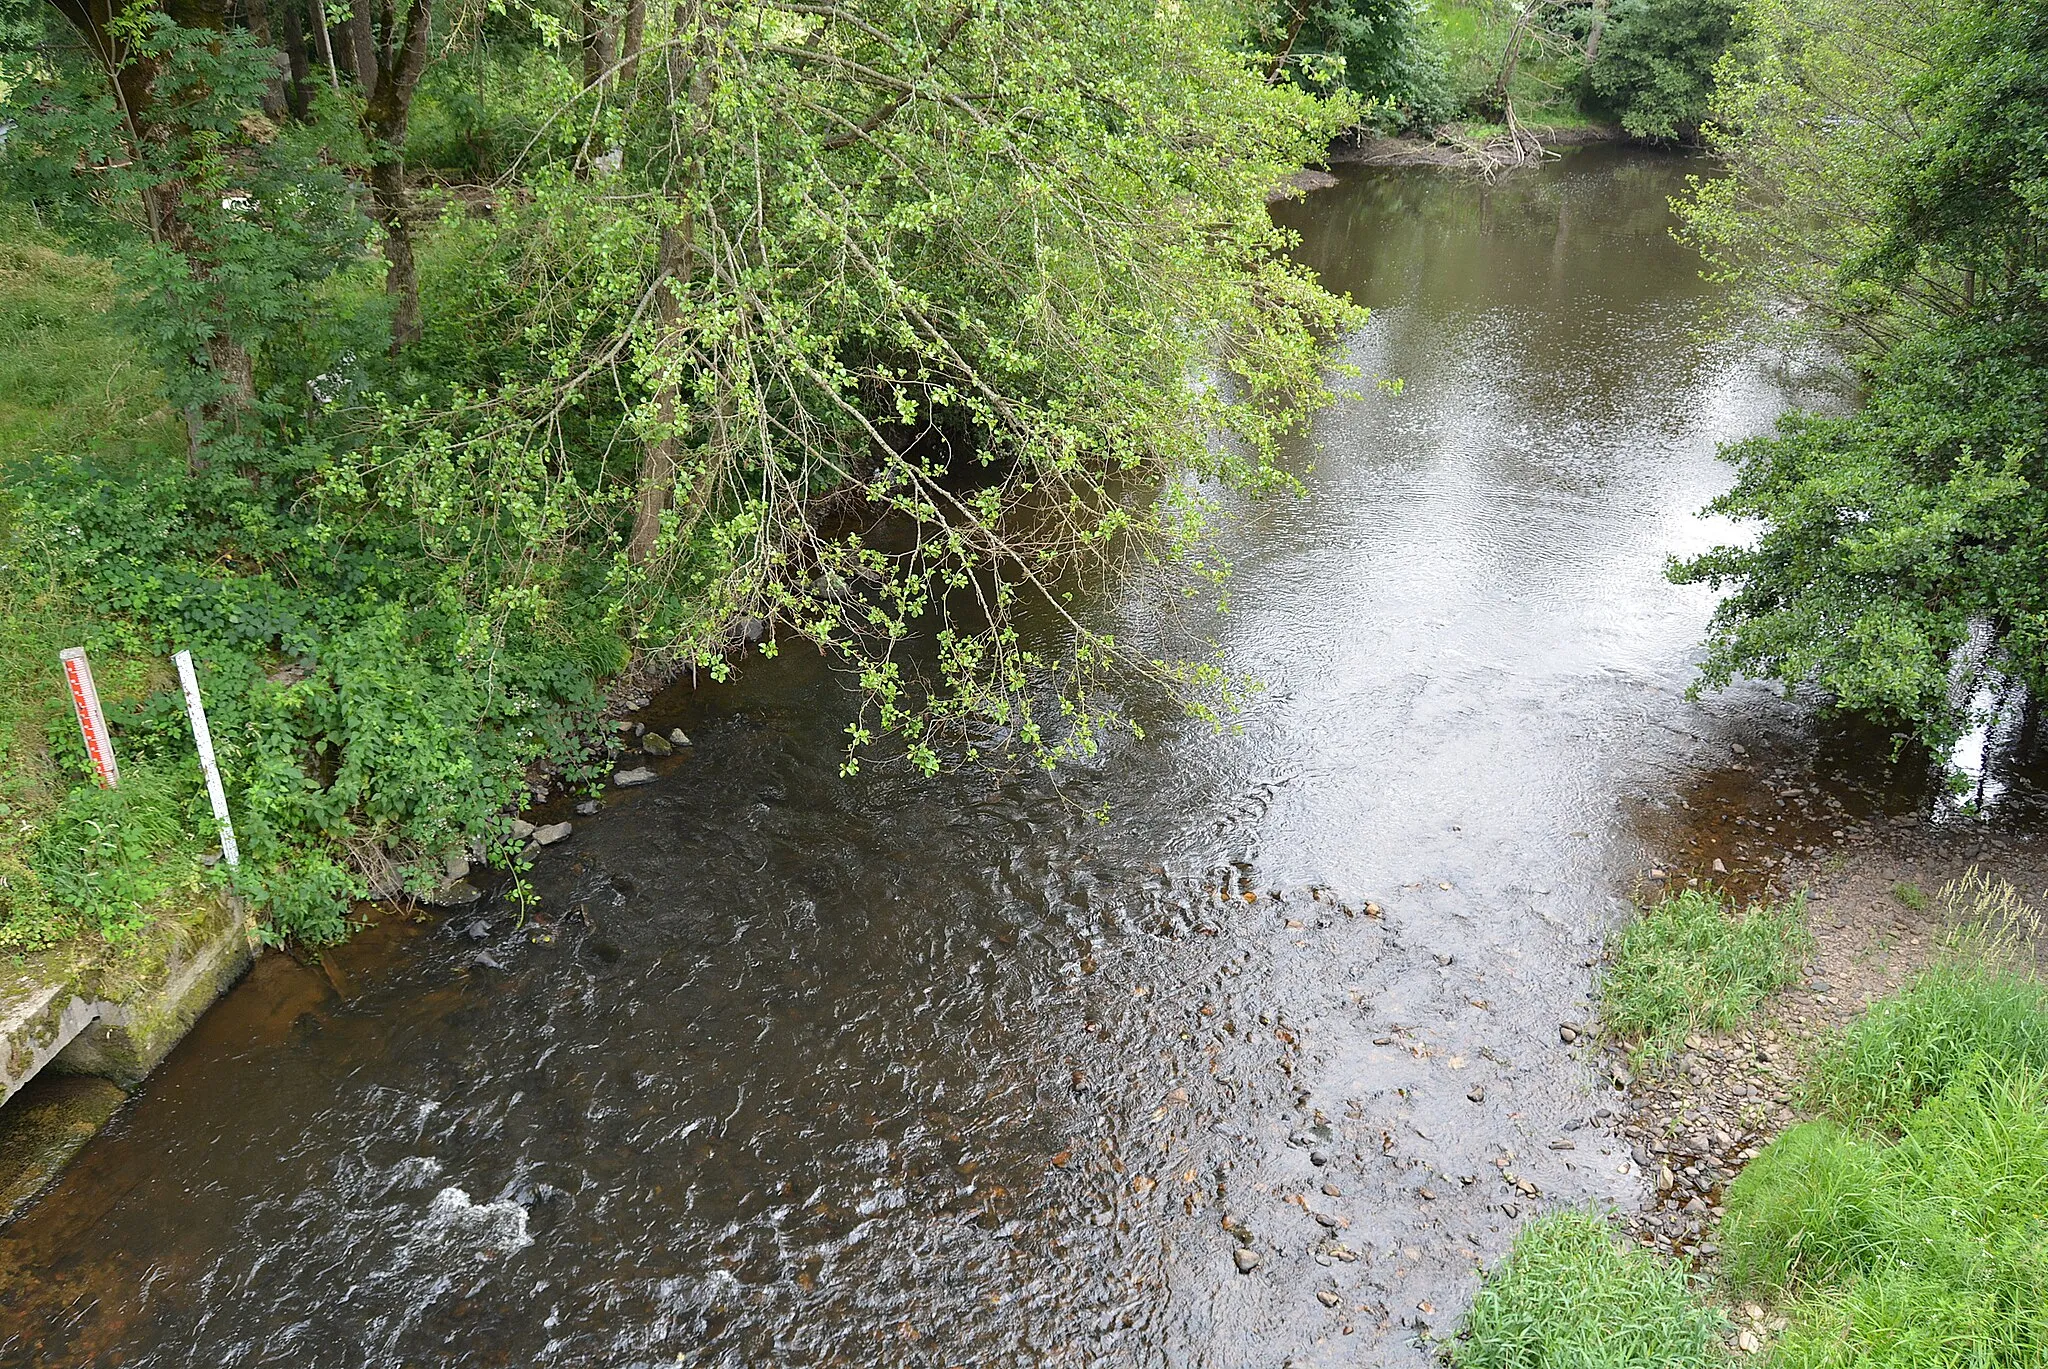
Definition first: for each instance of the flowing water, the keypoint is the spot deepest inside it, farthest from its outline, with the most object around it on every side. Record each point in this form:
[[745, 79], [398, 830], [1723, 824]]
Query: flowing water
[[793, 1070]]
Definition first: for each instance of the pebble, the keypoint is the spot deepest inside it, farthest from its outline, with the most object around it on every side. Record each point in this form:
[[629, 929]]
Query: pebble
[[1247, 1259], [587, 809], [1567, 1033], [1326, 1296], [626, 779]]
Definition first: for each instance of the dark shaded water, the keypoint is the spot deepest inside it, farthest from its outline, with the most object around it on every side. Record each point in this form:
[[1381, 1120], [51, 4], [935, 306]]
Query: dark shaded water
[[801, 1071]]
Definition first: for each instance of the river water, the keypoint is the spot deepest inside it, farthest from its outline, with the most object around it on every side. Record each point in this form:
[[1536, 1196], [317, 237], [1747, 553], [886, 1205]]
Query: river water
[[792, 1070]]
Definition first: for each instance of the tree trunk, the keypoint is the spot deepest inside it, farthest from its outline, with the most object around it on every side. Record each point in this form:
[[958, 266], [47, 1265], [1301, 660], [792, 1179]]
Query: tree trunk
[[132, 76], [273, 89], [689, 88], [1593, 37], [298, 92], [398, 60], [597, 43], [401, 272], [323, 43], [633, 40], [361, 41], [659, 462]]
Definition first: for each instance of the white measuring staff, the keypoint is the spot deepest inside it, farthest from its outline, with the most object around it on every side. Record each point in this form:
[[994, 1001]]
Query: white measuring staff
[[204, 739], [92, 724]]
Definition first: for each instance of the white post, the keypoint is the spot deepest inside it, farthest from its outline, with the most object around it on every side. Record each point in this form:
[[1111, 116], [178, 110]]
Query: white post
[[92, 724], [204, 739]]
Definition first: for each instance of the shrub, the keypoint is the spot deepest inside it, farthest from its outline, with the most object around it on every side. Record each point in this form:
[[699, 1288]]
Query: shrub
[[1655, 71], [1569, 1297], [1688, 963]]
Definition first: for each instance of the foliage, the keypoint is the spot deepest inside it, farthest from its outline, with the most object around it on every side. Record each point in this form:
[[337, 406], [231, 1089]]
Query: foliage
[[1385, 51], [874, 324], [1901, 566], [1808, 116], [1655, 67], [106, 858], [1569, 1297], [261, 212], [1905, 543], [1688, 963]]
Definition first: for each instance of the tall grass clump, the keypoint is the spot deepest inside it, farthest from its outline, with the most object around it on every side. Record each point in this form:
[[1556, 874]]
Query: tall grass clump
[[1980, 1000], [1569, 1297], [1928, 1252], [1690, 962]]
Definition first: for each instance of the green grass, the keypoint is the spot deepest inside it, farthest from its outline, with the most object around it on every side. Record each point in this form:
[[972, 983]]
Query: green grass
[[1569, 1297], [1910, 894], [69, 383], [1927, 1252], [1905, 1229], [1689, 963], [1909, 1046]]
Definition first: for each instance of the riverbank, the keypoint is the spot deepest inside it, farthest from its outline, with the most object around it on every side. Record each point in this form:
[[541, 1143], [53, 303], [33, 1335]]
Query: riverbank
[[1468, 146], [1878, 919], [1778, 1181]]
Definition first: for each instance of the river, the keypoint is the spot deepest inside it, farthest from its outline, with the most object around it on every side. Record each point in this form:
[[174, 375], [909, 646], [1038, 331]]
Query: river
[[792, 1070]]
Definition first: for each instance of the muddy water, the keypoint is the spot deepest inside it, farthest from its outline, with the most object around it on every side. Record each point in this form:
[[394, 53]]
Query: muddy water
[[799, 1071]]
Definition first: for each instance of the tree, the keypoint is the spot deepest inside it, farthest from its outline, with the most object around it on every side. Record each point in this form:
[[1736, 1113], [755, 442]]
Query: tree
[[1651, 63], [1903, 562], [237, 215], [952, 267], [1809, 115]]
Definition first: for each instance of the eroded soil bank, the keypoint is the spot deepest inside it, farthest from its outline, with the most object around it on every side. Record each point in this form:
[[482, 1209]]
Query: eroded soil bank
[[794, 1070]]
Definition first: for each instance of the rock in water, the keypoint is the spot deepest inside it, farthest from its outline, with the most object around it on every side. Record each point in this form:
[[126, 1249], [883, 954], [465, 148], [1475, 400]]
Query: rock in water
[[521, 829], [1247, 1260], [680, 737], [654, 744], [454, 894], [626, 779], [552, 833], [589, 808]]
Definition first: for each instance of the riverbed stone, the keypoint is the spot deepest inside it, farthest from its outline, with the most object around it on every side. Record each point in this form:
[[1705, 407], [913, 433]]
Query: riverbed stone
[[680, 738], [552, 833], [627, 779], [654, 744], [1246, 1259]]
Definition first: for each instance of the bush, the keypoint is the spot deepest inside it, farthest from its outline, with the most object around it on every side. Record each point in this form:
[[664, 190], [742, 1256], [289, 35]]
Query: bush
[[1569, 1297], [1687, 964]]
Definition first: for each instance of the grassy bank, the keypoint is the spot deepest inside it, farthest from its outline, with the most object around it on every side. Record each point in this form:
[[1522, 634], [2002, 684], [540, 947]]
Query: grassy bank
[[74, 860], [368, 721], [1904, 1224]]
